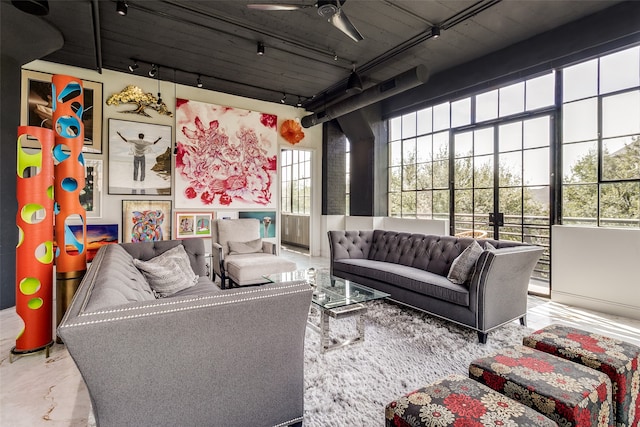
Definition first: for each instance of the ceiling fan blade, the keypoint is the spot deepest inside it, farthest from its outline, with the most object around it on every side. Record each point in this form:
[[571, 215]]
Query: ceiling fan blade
[[341, 22], [276, 6]]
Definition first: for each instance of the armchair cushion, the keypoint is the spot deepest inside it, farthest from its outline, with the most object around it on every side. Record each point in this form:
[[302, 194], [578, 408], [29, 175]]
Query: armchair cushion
[[237, 230], [250, 247], [169, 272]]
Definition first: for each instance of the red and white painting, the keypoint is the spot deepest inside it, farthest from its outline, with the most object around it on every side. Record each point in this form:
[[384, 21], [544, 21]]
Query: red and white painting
[[226, 157]]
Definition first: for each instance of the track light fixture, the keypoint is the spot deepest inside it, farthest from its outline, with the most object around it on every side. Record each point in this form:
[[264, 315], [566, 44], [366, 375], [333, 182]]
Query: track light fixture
[[133, 66], [153, 71], [354, 84], [435, 32], [199, 81], [299, 104], [260, 50], [284, 98], [122, 7]]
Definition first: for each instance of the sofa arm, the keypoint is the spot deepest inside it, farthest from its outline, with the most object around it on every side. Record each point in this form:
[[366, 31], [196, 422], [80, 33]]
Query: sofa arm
[[499, 285], [269, 248]]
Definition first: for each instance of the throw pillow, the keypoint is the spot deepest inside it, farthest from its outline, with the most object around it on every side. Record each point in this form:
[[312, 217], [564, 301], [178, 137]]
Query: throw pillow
[[462, 266], [250, 247], [169, 272], [489, 247]]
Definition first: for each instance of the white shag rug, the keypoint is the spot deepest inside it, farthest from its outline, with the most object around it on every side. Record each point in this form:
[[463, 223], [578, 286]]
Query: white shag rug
[[404, 349]]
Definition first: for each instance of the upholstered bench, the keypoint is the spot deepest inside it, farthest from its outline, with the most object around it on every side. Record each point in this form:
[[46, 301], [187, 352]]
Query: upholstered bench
[[251, 270], [618, 359], [566, 392], [458, 400]]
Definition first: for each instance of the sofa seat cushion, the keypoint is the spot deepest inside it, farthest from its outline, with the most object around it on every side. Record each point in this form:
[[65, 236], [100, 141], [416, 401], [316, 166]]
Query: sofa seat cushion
[[249, 269], [203, 286], [119, 282], [413, 279]]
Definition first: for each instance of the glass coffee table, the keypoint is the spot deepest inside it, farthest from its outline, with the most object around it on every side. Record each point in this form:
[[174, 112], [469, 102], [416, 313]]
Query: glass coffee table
[[336, 298]]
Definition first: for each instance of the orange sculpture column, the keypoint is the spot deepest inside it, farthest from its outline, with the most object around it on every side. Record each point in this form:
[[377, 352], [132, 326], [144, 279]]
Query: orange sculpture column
[[34, 252], [71, 254]]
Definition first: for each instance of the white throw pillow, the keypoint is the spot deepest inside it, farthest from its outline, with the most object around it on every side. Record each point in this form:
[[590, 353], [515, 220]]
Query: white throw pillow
[[462, 266], [250, 247], [169, 272]]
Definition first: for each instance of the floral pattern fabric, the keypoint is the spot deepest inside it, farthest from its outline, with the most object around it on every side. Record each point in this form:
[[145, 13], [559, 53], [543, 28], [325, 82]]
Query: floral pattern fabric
[[618, 359], [566, 392], [458, 401]]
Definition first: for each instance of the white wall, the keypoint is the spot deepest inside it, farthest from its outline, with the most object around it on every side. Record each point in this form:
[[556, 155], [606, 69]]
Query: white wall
[[113, 82], [597, 268]]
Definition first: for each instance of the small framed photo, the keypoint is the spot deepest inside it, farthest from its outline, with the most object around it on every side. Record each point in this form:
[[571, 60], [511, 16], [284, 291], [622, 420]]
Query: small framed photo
[[146, 220], [91, 195], [267, 221], [192, 224]]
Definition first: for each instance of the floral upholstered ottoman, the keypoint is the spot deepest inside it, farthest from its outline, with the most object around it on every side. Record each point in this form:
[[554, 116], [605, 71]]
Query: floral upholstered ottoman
[[459, 401], [569, 393], [618, 359]]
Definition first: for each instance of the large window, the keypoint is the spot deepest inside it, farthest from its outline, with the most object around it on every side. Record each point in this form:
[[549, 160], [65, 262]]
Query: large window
[[347, 158], [601, 141], [296, 182]]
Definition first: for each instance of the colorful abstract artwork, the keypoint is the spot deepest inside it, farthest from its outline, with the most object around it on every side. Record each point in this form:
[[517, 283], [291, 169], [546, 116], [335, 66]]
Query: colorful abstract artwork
[[192, 224], [146, 220], [98, 235], [226, 157], [267, 222]]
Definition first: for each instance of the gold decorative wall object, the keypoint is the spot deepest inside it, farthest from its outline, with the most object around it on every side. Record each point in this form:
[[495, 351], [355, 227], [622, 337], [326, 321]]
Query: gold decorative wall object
[[134, 95]]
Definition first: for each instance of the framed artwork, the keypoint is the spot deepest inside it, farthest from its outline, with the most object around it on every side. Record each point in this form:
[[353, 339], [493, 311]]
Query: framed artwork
[[192, 224], [91, 195], [146, 220], [139, 158], [98, 235], [226, 157], [267, 221], [36, 108]]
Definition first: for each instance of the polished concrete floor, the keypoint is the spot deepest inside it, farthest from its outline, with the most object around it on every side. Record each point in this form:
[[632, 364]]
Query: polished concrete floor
[[39, 391]]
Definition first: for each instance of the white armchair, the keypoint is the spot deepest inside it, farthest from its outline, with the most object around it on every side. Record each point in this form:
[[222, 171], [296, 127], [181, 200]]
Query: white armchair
[[241, 257]]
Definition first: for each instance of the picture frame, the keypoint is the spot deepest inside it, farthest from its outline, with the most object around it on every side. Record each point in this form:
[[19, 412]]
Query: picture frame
[[192, 224], [91, 195], [35, 108], [140, 158], [98, 235], [146, 220], [267, 222]]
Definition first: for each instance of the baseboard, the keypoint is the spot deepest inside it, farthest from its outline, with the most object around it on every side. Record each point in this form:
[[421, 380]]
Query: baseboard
[[608, 307]]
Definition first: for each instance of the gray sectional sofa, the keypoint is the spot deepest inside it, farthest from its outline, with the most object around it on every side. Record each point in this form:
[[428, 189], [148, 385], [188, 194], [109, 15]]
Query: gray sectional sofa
[[202, 356], [413, 268]]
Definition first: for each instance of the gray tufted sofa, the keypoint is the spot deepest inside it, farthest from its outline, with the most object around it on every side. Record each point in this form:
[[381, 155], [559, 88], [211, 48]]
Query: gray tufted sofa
[[413, 268], [203, 356]]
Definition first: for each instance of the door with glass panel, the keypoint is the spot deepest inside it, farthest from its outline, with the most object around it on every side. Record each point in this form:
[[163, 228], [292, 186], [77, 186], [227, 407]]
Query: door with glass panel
[[501, 176]]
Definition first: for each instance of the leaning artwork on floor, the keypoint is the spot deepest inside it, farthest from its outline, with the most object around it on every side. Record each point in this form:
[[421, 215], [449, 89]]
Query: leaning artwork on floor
[[139, 158], [227, 157], [146, 220]]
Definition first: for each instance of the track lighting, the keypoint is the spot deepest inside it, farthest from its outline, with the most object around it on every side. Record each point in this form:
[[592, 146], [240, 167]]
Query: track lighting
[[284, 98], [260, 48], [133, 66], [354, 84], [122, 7], [435, 32], [199, 81], [153, 71], [299, 104]]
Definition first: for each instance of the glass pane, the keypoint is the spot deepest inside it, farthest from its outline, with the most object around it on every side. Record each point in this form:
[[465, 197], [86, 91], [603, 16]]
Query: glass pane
[[424, 121], [463, 144], [424, 149], [483, 204], [409, 177], [441, 117], [580, 162], [511, 205], [394, 204], [537, 132], [579, 204], [424, 180], [395, 128], [409, 125], [441, 204], [510, 137], [536, 205], [395, 153], [511, 99], [409, 203], [464, 209], [580, 81], [541, 91], [487, 106], [621, 158], [441, 146], [347, 159], [409, 151], [395, 179], [510, 173], [424, 204], [621, 114], [483, 171], [483, 141], [536, 166], [461, 112], [580, 120], [463, 173], [620, 204], [441, 174], [620, 70], [286, 173], [294, 171]]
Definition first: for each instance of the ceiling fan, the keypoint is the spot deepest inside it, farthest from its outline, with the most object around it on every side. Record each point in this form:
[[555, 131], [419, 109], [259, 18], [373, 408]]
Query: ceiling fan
[[330, 9]]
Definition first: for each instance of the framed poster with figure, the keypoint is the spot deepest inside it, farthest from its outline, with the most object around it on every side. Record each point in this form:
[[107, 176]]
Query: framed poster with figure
[[146, 220], [91, 194], [192, 224], [139, 158]]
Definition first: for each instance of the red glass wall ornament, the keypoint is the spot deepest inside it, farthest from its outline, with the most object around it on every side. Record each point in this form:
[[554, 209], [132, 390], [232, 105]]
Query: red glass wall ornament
[[34, 252], [71, 254]]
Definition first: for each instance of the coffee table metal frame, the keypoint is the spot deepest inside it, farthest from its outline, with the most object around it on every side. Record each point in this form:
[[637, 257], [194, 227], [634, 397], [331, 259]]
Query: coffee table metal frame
[[334, 297]]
